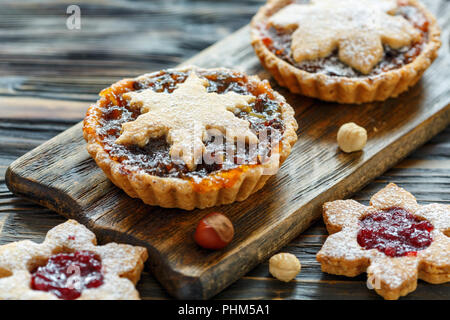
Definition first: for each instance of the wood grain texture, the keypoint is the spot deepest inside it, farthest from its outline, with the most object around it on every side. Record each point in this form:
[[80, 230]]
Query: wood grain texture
[[427, 175], [44, 65], [430, 183]]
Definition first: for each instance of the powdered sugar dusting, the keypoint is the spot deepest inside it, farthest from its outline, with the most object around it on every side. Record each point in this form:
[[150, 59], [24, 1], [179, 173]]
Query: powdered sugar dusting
[[342, 213], [393, 273], [184, 115], [343, 245], [394, 196], [437, 255], [395, 276], [357, 28], [70, 236], [438, 215], [122, 264]]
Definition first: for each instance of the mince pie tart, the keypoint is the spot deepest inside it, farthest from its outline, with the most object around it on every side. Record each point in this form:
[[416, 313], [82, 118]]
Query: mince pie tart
[[69, 265], [190, 137], [348, 51]]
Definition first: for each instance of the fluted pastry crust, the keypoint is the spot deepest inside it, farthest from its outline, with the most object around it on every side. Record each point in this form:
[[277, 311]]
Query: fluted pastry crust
[[172, 192], [339, 88]]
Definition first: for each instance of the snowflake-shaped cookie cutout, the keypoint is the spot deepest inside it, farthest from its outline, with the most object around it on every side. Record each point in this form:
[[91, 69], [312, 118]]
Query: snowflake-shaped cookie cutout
[[357, 28], [121, 264], [390, 276], [184, 116]]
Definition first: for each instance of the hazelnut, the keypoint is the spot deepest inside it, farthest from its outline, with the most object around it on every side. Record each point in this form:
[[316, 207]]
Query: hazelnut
[[351, 137], [214, 231], [284, 266]]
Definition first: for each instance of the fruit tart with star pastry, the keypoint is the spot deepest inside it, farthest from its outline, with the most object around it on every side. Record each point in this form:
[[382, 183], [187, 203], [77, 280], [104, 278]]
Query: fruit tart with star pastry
[[347, 51], [190, 137]]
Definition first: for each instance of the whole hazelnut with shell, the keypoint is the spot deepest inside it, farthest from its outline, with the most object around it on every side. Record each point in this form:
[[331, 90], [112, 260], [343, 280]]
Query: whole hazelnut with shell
[[214, 231], [284, 266], [351, 137]]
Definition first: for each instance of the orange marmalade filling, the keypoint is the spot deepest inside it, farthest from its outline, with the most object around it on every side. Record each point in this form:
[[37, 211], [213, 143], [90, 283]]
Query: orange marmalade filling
[[105, 119], [278, 41]]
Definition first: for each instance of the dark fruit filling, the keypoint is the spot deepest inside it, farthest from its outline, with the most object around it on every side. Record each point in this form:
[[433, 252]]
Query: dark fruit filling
[[154, 158], [279, 42], [395, 232], [66, 275]]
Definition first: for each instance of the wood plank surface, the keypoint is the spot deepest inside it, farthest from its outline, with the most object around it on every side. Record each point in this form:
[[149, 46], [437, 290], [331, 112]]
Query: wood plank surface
[[426, 173]]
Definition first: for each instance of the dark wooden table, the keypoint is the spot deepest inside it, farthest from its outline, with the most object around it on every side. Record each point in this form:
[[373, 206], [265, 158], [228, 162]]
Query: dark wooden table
[[49, 75]]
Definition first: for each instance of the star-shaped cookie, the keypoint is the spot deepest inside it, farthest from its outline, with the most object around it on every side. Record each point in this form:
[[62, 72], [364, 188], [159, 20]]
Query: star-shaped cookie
[[356, 28], [184, 116], [121, 264], [391, 273]]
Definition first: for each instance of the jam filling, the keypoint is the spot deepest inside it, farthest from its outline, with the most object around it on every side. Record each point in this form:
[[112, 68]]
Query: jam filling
[[66, 275], [279, 42], [395, 232], [154, 158]]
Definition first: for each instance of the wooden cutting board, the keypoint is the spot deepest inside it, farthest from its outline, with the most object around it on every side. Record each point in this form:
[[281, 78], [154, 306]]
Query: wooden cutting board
[[62, 176]]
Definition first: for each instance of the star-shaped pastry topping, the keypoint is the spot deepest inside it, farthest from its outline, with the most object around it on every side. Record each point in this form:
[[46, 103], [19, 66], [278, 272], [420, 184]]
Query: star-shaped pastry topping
[[357, 28], [121, 264], [184, 116], [389, 274]]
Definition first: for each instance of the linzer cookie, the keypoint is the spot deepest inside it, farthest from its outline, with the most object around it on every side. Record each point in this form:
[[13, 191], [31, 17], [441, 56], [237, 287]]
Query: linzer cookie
[[395, 240], [348, 51], [69, 265]]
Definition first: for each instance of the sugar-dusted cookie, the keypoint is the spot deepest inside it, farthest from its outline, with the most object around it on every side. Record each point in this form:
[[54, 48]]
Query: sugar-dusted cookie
[[395, 240], [69, 265]]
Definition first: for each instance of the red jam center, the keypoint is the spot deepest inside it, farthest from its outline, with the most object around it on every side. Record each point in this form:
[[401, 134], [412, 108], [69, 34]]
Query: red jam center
[[67, 274], [395, 232]]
